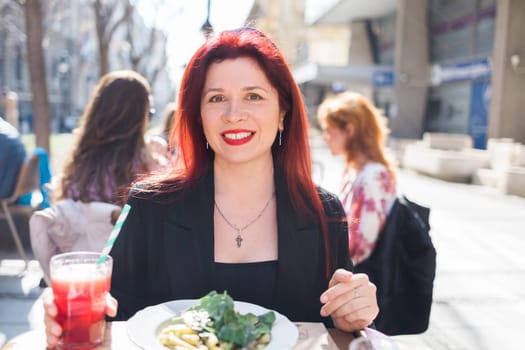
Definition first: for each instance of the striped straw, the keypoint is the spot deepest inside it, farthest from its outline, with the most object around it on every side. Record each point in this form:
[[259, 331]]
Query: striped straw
[[114, 233]]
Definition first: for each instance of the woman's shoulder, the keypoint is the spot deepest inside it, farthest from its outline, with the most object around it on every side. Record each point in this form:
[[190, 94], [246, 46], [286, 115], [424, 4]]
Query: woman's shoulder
[[372, 168], [161, 193], [374, 172], [325, 194], [331, 203], [377, 182]]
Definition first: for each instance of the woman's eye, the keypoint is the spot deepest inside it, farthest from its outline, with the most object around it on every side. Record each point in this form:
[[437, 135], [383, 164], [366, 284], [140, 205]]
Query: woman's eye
[[254, 97], [217, 98]]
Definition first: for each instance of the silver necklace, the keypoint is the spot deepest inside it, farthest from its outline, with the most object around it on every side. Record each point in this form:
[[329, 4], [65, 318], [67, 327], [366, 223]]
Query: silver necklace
[[239, 230]]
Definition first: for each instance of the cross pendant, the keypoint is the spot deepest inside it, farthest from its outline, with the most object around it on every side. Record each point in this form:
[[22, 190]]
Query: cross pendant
[[239, 239]]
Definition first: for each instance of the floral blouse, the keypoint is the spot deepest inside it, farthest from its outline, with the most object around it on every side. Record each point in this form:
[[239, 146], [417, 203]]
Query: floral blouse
[[367, 198]]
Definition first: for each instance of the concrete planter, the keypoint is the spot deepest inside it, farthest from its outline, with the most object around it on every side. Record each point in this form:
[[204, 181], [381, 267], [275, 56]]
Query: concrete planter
[[457, 166], [513, 181]]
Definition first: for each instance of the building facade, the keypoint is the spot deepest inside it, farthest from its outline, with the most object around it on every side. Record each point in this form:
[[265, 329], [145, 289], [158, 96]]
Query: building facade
[[431, 65], [71, 55]]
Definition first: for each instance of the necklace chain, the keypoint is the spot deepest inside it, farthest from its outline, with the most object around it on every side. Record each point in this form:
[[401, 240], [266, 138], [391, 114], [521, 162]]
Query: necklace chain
[[239, 230]]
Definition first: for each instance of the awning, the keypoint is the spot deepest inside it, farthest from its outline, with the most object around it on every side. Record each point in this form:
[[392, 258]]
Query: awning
[[327, 75], [346, 11]]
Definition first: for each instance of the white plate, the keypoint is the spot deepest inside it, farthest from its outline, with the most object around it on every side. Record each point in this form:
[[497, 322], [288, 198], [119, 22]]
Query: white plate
[[144, 327]]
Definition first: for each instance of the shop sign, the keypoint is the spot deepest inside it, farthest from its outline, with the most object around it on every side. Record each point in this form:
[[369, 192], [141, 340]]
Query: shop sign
[[459, 72], [383, 78]]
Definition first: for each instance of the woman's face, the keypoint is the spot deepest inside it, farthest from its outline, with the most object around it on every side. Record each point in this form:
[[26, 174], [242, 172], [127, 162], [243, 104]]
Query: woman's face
[[240, 111], [335, 138]]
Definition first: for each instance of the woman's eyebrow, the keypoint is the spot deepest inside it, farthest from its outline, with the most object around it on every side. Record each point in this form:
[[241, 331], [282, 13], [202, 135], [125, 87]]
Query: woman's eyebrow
[[212, 90], [246, 88], [255, 87]]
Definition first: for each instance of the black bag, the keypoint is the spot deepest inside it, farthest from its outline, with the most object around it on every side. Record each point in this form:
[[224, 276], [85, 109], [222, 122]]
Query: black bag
[[403, 266]]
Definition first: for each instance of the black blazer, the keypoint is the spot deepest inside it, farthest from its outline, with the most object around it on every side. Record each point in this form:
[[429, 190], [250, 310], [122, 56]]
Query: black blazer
[[165, 251]]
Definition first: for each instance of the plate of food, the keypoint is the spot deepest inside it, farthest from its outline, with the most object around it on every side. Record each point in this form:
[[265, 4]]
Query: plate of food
[[214, 321]]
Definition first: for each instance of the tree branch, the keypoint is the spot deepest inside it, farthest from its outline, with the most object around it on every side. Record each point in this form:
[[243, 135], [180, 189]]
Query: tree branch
[[159, 67], [128, 10]]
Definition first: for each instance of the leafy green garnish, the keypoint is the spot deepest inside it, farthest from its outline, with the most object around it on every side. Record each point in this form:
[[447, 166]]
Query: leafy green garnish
[[229, 325]]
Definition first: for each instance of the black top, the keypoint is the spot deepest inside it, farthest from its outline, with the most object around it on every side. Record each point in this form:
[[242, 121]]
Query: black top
[[165, 251], [250, 282]]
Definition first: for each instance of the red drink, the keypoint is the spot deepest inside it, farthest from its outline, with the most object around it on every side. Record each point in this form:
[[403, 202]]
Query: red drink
[[80, 287]]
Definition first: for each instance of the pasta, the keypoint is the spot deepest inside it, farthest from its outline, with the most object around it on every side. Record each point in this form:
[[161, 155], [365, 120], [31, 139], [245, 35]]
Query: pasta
[[213, 324]]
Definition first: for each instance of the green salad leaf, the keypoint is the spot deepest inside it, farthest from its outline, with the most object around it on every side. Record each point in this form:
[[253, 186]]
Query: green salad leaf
[[229, 325]]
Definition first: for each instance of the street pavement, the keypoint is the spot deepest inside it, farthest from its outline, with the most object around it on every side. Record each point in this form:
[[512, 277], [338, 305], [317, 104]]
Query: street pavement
[[479, 293], [479, 235], [20, 306]]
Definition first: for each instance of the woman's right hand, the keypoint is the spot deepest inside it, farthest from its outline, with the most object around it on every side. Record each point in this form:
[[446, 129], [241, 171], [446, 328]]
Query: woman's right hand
[[53, 329]]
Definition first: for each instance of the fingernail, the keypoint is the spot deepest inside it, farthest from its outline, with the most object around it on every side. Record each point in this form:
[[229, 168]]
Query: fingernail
[[324, 298]]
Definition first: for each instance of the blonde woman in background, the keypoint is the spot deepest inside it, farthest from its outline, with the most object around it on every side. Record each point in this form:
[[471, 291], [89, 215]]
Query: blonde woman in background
[[353, 127]]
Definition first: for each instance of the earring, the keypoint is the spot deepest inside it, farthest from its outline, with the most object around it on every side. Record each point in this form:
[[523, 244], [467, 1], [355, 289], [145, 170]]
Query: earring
[[280, 137], [207, 145]]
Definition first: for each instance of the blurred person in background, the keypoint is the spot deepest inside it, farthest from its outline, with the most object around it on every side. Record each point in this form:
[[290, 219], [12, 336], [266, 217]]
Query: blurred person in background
[[12, 156], [110, 150], [10, 102], [159, 135], [109, 153], [352, 126], [168, 119]]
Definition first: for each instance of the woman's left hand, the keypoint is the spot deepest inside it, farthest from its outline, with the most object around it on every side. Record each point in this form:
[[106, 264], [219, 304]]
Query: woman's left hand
[[350, 300]]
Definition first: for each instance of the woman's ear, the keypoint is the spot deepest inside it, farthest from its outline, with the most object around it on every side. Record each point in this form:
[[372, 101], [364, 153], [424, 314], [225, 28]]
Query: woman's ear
[[281, 120]]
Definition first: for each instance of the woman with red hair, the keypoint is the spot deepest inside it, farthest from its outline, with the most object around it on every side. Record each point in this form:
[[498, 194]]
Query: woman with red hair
[[239, 211]]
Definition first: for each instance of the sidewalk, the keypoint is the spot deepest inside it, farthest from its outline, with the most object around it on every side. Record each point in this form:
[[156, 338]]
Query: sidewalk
[[479, 235], [479, 299], [20, 307]]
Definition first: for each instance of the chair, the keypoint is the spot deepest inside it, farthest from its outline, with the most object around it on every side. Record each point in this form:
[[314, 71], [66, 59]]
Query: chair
[[69, 226], [28, 181]]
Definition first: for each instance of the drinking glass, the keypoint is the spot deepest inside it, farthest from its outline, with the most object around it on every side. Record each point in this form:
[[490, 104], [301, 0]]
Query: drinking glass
[[80, 285]]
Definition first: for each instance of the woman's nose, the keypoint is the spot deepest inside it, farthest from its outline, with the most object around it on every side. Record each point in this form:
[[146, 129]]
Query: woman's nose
[[234, 112]]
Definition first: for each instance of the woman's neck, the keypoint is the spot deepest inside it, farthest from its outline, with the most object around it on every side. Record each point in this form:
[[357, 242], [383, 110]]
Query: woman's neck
[[358, 163], [244, 181]]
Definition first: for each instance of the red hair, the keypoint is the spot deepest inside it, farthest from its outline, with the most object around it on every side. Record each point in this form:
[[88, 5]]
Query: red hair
[[370, 130], [291, 158]]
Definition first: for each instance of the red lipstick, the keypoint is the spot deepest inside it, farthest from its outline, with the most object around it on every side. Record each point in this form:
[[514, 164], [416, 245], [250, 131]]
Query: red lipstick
[[237, 137]]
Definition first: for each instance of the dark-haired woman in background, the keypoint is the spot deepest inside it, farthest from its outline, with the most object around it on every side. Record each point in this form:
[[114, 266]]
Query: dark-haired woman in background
[[111, 149], [109, 153]]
